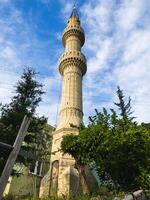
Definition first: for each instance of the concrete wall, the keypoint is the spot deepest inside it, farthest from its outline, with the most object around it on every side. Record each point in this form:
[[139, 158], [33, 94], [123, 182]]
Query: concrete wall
[[23, 185]]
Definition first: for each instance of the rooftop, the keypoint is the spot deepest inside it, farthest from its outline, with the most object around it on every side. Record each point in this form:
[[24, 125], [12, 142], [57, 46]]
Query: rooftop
[[74, 12]]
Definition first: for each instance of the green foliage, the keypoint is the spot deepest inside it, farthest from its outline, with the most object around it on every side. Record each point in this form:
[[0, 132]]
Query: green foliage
[[39, 137], [29, 92], [122, 155], [103, 194], [115, 146], [75, 146], [65, 197], [125, 108], [27, 98], [37, 142], [144, 180]]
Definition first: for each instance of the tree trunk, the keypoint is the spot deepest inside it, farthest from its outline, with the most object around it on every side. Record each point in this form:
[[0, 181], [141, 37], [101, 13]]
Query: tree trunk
[[82, 177]]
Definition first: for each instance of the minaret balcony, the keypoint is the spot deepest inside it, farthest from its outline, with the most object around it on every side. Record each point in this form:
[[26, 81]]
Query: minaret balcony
[[74, 30], [73, 58]]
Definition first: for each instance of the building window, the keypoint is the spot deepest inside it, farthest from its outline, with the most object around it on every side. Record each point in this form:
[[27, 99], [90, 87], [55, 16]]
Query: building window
[[36, 168]]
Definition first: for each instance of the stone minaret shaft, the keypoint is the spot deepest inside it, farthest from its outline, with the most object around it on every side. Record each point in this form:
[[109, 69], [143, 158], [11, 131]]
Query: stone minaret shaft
[[62, 177], [72, 67]]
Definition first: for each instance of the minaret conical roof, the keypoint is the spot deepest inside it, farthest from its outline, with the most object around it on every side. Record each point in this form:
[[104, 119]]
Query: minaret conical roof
[[74, 12]]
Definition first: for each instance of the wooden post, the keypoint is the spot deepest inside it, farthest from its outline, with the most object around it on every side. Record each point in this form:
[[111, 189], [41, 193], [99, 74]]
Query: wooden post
[[6, 146], [13, 155]]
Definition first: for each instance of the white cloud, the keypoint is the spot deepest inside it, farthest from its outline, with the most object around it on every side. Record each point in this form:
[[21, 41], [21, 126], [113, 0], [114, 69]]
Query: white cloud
[[117, 48], [117, 42], [128, 14], [7, 82], [101, 57], [19, 47], [137, 45], [67, 7], [51, 99]]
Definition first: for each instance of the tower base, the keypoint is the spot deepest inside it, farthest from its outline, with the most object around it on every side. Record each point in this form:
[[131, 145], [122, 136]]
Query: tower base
[[62, 177]]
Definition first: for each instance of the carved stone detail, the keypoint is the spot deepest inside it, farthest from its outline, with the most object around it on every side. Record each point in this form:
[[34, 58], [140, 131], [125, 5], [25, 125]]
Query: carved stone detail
[[73, 30], [71, 111], [75, 58]]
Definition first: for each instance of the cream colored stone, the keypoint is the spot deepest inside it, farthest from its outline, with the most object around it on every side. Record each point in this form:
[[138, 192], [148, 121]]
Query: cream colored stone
[[7, 189], [72, 67]]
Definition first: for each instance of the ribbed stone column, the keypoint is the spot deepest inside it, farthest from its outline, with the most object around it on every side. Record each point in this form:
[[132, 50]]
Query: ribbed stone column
[[62, 177], [72, 67]]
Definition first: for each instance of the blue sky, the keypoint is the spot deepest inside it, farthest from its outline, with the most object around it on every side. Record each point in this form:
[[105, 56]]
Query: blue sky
[[117, 48]]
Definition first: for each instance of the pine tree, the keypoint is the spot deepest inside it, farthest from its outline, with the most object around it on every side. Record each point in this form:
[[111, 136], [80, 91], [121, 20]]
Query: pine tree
[[28, 96], [125, 108]]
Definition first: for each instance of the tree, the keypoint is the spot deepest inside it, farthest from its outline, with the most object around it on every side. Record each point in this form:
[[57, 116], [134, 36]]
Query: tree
[[28, 96], [37, 143], [122, 154], [73, 145], [124, 108], [116, 146]]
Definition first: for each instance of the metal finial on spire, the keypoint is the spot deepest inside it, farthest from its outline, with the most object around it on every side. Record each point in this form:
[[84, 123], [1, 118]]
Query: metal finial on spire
[[74, 4], [74, 11]]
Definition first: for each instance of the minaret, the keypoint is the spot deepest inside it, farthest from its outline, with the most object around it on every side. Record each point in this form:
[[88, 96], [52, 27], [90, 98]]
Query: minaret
[[72, 67], [62, 177]]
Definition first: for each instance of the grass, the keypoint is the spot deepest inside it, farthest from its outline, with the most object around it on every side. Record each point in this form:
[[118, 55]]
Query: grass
[[102, 194], [108, 196], [85, 197]]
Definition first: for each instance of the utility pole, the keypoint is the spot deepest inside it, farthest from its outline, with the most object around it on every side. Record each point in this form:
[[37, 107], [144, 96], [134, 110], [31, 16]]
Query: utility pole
[[13, 155]]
